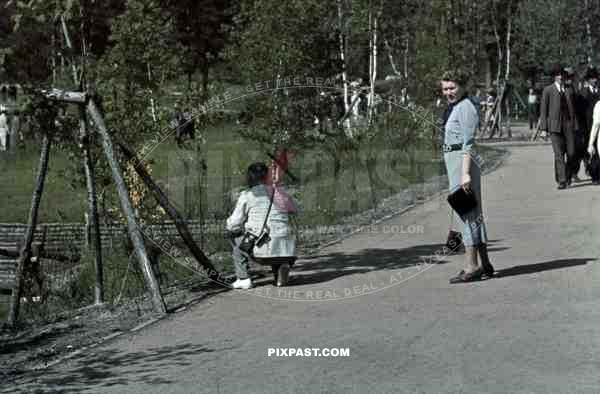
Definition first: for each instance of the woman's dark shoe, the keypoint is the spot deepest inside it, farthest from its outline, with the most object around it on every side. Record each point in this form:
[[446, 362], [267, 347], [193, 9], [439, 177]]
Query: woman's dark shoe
[[486, 266], [488, 270], [283, 274], [465, 277]]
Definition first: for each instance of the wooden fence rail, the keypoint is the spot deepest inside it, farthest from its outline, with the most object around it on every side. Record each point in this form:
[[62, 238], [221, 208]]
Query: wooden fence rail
[[71, 237]]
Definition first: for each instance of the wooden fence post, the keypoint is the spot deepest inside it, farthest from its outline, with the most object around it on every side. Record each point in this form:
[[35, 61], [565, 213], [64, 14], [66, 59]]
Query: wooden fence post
[[134, 231], [25, 252], [92, 228]]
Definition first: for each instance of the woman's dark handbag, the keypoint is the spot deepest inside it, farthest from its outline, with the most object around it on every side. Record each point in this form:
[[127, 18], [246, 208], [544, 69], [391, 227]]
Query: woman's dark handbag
[[454, 240], [250, 241], [247, 243], [461, 201]]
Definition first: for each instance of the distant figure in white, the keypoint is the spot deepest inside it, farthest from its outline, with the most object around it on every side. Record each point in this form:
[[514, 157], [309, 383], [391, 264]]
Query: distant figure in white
[[3, 128], [593, 149]]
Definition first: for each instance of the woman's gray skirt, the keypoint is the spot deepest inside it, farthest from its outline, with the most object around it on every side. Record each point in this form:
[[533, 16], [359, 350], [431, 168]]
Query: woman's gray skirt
[[472, 224]]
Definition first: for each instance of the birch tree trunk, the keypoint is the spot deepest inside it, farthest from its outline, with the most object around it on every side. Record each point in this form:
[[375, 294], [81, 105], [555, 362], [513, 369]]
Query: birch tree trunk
[[342, 39], [508, 35], [499, 46], [499, 88], [152, 106], [507, 71], [371, 60], [370, 17], [25, 252], [371, 102], [391, 58]]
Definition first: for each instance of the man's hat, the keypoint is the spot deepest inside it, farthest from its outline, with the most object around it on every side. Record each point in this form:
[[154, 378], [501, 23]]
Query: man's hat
[[591, 73], [556, 70]]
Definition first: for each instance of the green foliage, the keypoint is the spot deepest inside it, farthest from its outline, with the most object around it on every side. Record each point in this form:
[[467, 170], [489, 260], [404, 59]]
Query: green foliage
[[287, 38], [546, 33]]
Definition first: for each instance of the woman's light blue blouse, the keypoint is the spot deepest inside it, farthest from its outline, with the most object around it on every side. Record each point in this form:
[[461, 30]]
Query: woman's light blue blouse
[[461, 125]]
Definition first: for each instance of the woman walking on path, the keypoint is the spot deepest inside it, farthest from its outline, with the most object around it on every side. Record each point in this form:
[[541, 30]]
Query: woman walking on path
[[593, 146], [464, 171], [533, 110]]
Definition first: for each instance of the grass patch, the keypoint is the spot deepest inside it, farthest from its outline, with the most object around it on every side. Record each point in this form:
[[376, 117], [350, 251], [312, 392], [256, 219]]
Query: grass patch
[[200, 178]]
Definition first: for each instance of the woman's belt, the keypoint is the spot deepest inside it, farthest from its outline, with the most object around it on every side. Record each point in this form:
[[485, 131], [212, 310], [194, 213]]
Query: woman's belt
[[451, 148]]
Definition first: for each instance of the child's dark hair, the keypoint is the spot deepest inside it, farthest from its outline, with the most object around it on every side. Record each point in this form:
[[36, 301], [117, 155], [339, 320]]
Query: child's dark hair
[[256, 174]]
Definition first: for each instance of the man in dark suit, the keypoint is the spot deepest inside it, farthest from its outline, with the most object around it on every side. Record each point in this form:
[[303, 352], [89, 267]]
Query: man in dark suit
[[584, 106], [577, 99], [558, 118]]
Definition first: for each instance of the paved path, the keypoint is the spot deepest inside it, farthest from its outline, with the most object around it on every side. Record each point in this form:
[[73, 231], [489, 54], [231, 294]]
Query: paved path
[[533, 329]]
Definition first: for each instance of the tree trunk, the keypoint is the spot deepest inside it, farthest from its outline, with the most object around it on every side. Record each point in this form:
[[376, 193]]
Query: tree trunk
[[152, 105], [450, 40], [391, 58], [508, 34], [25, 252], [499, 46], [92, 224], [164, 202], [53, 56], [406, 42], [65, 30], [205, 70], [93, 220], [507, 71], [133, 228], [342, 41], [475, 44], [373, 75], [371, 59]]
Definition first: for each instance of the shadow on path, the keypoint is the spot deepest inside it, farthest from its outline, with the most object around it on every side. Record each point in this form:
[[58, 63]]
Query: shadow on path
[[106, 368], [327, 267], [540, 267], [324, 268]]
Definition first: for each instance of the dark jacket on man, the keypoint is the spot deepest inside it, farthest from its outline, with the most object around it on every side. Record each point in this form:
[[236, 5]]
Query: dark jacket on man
[[585, 109], [558, 117], [557, 111]]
